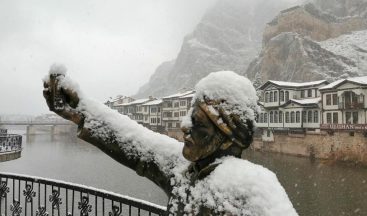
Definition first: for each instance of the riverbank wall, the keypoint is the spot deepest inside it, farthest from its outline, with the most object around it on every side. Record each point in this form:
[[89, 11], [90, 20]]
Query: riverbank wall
[[7, 156], [350, 146]]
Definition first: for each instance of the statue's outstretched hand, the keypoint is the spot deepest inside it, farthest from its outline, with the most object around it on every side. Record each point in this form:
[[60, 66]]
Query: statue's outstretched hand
[[60, 99]]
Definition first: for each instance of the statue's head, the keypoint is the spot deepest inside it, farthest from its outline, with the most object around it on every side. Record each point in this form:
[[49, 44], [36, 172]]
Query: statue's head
[[221, 120]]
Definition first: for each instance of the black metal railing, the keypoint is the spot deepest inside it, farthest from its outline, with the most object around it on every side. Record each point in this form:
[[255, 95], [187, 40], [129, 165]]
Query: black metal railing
[[28, 195], [10, 143]]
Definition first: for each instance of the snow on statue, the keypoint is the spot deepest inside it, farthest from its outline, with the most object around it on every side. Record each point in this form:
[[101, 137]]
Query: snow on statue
[[203, 176]]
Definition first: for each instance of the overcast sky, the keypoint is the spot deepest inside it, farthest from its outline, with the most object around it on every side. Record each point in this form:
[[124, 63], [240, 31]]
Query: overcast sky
[[109, 47]]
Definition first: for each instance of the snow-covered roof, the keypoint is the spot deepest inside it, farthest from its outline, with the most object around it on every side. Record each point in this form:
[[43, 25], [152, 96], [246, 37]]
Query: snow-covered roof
[[304, 102], [294, 84], [178, 94], [188, 96], [139, 101], [307, 101], [358, 80], [154, 102]]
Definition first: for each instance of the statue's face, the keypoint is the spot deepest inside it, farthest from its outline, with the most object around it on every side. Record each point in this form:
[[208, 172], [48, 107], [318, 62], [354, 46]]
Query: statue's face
[[202, 139]]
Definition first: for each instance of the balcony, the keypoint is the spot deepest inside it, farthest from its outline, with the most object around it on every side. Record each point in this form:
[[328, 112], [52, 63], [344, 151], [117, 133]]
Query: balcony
[[28, 195], [351, 105]]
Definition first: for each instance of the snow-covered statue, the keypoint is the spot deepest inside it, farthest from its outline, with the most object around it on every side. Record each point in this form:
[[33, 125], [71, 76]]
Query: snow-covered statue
[[202, 176]]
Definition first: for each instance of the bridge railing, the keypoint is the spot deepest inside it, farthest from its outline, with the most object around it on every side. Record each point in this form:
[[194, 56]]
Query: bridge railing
[[10, 143], [28, 195]]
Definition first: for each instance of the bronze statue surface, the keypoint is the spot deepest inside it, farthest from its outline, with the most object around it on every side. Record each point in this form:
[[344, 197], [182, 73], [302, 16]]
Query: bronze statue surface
[[203, 176]]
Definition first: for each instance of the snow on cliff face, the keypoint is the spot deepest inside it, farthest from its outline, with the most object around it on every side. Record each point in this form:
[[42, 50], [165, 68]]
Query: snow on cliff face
[[228, 37], [291, 57], [298, 44], [343, 8], [352, 46]]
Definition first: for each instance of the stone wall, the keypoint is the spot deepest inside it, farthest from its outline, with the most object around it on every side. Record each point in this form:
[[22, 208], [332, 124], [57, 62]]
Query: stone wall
[[10, 156], [338, 145]]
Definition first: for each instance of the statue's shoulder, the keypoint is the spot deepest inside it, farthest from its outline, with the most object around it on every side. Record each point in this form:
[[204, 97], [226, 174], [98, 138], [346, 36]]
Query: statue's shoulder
[[244, 188]]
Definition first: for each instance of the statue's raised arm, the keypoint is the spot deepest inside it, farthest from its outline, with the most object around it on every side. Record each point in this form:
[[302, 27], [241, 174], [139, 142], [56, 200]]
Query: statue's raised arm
[[150, 154], [203, 176]]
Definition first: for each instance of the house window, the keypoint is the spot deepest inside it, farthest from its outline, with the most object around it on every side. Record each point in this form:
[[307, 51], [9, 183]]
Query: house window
[[304, 116], [335, 118], [176, 104], [153, 110], [265, 118], [355, 117], [328, 118], [183, 103], [261, 118], [286, 117], [292, 117], [309, 119], [302, 94], [176, 114], [298, 116], [281, 95], [280, 117], [178, 125], [351, 117], [275, 96], [268, 133], [309, 93], [316, 116], [328, 99], [158, 120], [167, 114], [169, 125], [271, 97], [276, 117], [335, 99], [348, 117], [266, 97], [168, 104], [182, 113], [271, 117], [286, 96]]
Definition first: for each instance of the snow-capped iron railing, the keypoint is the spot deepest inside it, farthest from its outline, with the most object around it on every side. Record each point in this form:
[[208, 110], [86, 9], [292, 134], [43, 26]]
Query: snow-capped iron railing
[[10, 143], [28, 195]]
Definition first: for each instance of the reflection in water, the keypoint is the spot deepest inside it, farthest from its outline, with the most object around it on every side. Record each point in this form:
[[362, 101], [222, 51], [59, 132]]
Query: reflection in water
[[314, 188]]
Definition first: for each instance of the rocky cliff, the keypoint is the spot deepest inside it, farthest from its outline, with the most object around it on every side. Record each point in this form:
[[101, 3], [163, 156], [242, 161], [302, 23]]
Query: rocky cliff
[[343, 8], [304, 43], [291, 57], [228, 37], [309, 21]]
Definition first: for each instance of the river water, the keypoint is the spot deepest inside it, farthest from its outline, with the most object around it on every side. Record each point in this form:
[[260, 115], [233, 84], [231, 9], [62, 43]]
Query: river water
[[315, 188]]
